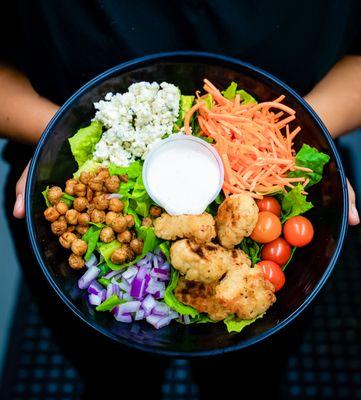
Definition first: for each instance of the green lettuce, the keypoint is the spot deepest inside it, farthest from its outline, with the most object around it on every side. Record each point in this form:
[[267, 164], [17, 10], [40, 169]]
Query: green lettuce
[[231, 91], [106, 250], [185, 103], [235, 324], [165, 249], [213, 207], [310, 157], [83, 143], [88, 166], [91, 237], [252, 249], [294, 203], [65, 198]]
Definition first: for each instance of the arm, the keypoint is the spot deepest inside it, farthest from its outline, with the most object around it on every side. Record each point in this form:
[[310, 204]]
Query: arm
[[23, 113]]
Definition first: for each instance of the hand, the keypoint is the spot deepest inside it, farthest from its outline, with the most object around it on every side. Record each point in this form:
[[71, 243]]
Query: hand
[[353, 217], [19, 207]]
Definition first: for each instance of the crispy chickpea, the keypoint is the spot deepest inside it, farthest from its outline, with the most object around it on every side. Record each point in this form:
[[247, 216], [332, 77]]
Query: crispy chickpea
[[97, 216], [81, 229], [80, 190], [91, 207], [98, 193], [89, 194], [70, 185], [71, 228], [62, 218], [71, 217], [61, 208], [130, 220], [83, 219], [119, 224], [122, 255], [85, 177], [80, 204], [123, 178], [155, 211], [147, 221], [124, 237], [110, 217], [66, 239], [107, 235], [96, 184], [136, 245], [51, 214], [54, 194], [58, 227], [101, 202], [79, 247], [103, 174], [116, 205], [112, 184], [76, 262]]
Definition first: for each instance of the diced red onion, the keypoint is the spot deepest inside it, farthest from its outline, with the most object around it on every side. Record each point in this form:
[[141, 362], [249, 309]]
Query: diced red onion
[[157, 295], [88, 277], [112, 274], [104, 295], [155, 287], [158, 321], [92, 262], [114, 196], [160, 309], [186, 319], [95, 287], [129, 307], [130, 272], [148, 303], [127, 296], [122, 317], [94, 299], [173, 315], [165, 266], [160, 274], [139, 315], [112, 289], [124, 285]]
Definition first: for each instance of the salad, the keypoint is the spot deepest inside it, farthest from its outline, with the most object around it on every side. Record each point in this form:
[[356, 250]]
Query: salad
[[224, 264]]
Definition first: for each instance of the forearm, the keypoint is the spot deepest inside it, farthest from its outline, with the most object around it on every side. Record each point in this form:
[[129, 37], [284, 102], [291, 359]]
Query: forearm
[[23, 113], [337, 97]]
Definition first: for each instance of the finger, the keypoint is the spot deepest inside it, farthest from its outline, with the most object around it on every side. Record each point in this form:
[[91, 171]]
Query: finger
[[353, 217], [19, 207]]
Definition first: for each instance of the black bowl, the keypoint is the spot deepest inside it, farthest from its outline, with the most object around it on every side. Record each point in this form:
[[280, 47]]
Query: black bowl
[[53, 164]]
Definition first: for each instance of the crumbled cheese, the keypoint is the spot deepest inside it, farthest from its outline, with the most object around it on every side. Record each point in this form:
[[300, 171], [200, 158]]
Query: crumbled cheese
[[135, 121]]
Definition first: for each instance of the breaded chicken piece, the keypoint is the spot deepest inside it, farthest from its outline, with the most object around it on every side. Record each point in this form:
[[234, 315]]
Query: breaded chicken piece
[[245, 291], [236, 218], [199, 228], [204, 263], [200, 296]]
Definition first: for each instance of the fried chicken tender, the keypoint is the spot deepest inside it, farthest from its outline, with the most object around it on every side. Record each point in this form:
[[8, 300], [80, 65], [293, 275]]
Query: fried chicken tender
[[200, 296], [245, 291], [236, 218], [204, 263], [199, 228]]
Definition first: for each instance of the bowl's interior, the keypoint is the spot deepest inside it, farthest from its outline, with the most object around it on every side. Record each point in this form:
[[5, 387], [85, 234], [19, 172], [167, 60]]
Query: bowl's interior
[[54, 164]]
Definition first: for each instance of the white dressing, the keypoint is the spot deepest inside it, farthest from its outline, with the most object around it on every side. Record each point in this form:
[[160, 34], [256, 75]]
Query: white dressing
[[183, 174]]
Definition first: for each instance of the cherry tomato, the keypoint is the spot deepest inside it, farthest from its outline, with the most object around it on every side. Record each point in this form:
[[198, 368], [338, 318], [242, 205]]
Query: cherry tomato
[[273, 272], [298, 231], [269, 204], [278, 251], [268, 227]]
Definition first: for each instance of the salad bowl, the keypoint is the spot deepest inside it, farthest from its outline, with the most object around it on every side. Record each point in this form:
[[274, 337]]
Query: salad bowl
[[53, 164]]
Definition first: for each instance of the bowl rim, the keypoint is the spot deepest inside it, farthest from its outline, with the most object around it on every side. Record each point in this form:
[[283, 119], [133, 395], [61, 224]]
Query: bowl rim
[[168, 56]]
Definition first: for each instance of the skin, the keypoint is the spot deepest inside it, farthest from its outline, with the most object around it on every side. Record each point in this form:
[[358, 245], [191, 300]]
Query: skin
[[24, 114]]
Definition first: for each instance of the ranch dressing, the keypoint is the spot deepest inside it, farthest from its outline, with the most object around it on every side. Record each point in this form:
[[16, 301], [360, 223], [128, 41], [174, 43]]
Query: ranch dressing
[[183, 174]]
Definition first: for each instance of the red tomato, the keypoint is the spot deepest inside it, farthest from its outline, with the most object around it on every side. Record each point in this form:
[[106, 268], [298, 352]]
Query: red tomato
[[278, 251], [273, 273], [269, 204], [298, 231], [268, 227]]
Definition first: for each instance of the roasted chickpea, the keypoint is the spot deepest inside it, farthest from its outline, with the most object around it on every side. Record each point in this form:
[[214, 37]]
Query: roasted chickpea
[[124, 237], [103, 174], [82, 230], [107, 235], [123, 178], [58, 227], [147, 221], [83, 219], [112, 184], [71, 217], [122, 255], [51, 214], [96, 184], [98, 193], [116, 205], [101, 202], [66, 239], [76, 262], [79, 247], [89, 194], [136, 245], [80, 204], [62, 218], [70, 228], [70, 185], [85, 177], [155, 211], [110, 217], [119, 224], [54, 194], [80, 190], [97, 216], [61, 208], [130, 220]]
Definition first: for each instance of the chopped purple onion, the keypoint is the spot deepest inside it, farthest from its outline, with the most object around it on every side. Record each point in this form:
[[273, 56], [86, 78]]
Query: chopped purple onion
[[158, 321], [95, 287], [129, 307], [186, 319], [130, 272], [88, 277], [122, 317], [92, 262], [112, 274], [148, 303], [114, 196], [160, 309], [173, 315], [104, 295], [127, 296], [139, 315], [112, 289], [94, 299], [124, 285]]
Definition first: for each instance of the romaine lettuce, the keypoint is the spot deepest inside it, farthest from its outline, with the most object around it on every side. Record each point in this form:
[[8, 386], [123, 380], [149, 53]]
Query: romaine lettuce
[[185, 103], [65, 198], [91, 237], [235, 324], [252, 249], [294, 203], [231, 91], [88, 166]]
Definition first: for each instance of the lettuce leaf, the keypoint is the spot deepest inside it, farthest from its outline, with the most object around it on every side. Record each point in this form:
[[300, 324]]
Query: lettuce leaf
[[165, 249], [45, 195], [65, 198], [235, 324], [91, 237], [88, 166], [185, 103], [252, 249], [173, 302], [82, 144], [294, 203], [213, 207], [106, 250], [310, 157], [246, 97], [133, 170], [231, 91]]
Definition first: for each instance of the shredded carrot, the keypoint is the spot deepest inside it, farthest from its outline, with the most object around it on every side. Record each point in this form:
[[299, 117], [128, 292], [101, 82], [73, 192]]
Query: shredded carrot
[[254, 143]]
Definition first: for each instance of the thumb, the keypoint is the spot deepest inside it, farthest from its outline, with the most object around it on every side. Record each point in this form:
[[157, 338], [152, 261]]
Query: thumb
[[353, 217], [19, 207]]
